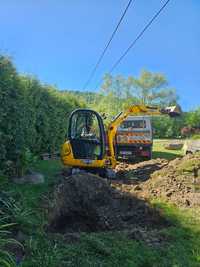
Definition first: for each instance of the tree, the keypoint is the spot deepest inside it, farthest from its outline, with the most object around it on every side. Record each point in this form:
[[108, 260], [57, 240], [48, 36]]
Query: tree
[[166, 127], [152, 88], [115, 95], [118, 92], [192, 118]]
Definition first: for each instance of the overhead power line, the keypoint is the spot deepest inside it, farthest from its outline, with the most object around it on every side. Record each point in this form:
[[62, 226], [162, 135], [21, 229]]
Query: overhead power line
[[107, 45], [136, 39]]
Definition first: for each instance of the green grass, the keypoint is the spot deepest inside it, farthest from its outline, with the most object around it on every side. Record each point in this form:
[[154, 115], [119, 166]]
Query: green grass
[[196, 137], [182, 248], [159, 150], [115, 249], [29, 197]]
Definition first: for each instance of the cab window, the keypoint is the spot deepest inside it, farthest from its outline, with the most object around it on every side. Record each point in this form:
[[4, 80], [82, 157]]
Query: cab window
[[136, 124]]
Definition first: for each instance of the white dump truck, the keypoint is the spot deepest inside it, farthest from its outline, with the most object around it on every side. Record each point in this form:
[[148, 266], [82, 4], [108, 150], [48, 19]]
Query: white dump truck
[[134, 138]]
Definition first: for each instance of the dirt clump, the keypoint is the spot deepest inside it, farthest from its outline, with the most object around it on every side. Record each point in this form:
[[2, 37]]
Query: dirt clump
[[178, 182], [87, 203]]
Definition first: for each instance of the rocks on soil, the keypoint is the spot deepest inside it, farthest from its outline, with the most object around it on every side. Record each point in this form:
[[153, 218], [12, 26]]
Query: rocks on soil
[[177, 182]]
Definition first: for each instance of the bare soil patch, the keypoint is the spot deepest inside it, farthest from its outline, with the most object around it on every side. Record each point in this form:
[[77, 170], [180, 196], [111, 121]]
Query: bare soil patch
[[88, 203], [178, 182], [140, 171]]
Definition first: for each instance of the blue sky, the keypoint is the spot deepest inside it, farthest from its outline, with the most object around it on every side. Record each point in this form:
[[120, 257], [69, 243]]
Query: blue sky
[[60, 41]]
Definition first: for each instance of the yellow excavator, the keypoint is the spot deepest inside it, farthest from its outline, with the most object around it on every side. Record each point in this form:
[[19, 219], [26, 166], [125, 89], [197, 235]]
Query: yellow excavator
[[90, 147]]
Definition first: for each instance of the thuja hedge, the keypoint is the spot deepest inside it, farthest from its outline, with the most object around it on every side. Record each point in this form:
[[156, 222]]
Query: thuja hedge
[[33, 117]]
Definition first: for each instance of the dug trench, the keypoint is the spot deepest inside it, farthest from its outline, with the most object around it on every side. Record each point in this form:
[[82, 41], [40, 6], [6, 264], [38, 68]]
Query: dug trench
[[88, 203]]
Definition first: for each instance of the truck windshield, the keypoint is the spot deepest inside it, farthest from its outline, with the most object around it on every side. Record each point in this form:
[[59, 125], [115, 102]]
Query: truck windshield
[[133, 124]]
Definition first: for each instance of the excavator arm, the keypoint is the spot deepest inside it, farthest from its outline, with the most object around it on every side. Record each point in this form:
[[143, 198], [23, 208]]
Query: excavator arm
[[135, 110]]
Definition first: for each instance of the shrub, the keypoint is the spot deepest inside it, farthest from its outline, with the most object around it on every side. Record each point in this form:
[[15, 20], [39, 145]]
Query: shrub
[[33, 118]]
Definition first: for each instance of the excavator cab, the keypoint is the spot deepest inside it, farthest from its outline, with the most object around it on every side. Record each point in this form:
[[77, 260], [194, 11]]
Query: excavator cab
[[86, 135]]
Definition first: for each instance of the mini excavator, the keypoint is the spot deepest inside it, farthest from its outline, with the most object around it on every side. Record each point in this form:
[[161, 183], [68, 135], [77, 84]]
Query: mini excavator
[[89, 147]]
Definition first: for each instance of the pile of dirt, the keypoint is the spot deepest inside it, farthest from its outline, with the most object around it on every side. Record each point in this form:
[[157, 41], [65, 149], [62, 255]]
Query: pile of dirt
[[177, 182], [87, 203], [140, 171]]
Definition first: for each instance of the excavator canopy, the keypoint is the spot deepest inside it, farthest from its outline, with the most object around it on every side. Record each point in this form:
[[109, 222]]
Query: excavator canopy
[[86, 134]]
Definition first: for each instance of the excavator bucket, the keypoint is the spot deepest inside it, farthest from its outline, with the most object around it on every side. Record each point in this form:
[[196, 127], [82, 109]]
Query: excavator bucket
[[172, 111]]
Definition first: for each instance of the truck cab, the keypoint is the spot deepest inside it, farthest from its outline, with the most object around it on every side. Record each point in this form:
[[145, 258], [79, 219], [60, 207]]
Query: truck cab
[[134, 138]]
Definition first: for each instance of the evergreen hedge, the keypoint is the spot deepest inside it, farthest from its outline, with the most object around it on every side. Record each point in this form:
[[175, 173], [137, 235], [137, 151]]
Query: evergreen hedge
[[33, 117]]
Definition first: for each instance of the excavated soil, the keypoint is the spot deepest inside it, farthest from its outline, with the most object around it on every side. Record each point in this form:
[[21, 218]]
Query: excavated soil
[[177, 182], [140, 171], [88, 203]]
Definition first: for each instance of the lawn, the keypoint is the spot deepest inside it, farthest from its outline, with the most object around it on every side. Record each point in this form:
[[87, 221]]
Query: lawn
[[182, 247], [159, 150]]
